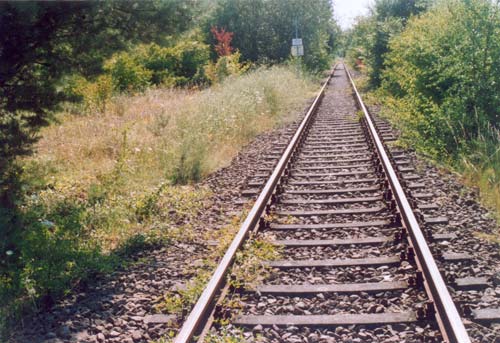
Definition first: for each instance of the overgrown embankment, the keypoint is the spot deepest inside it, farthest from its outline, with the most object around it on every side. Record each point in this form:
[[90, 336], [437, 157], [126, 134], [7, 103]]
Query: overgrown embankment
[[106, 182], [443, 86], [440, 82]]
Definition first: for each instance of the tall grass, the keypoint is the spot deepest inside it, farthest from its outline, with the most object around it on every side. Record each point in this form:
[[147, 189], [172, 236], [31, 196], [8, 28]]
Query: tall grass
[[164, 136], [174, 134], [480, 167], [477, 160]]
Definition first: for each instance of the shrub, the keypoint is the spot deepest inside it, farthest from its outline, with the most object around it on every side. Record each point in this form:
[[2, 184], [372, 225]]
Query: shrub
[[148, 64], [224, 67], [94, 95], [223, 38], [446, 80], [442, 81], [369, 39], [53, 252], [176, 65], [127, 74]]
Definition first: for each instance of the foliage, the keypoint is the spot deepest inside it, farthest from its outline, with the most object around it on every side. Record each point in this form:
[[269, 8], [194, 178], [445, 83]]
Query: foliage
[[442, 80], [248, 271], [99, 186], [480, 167], [55, 252], [135, 70], [227, 65], [369, 39], [181, 301], [73, 231], [228, 116], [448, 78], [94, 95], [224, 335], [177, 65], [250, 268], [263, 29], [223, 46], [47, 40], [127, 74], [43, 42]]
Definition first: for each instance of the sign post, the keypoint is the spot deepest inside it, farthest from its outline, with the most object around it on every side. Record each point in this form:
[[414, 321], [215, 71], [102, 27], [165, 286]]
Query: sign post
[[297, 46]]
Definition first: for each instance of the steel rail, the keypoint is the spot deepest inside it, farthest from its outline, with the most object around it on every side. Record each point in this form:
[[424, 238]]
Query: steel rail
[[195, 319], [448, 318]]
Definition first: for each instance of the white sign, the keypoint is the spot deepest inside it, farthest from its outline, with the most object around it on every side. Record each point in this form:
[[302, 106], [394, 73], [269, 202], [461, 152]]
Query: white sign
[[297, 41], [297, 50]]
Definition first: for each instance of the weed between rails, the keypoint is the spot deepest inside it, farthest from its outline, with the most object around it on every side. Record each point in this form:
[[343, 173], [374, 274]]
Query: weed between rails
[[226, 336], [222, 336], [180, 301], [249, 270]]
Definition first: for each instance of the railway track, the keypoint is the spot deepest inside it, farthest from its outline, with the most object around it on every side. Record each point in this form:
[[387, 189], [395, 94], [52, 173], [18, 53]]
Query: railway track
[[356, 264]]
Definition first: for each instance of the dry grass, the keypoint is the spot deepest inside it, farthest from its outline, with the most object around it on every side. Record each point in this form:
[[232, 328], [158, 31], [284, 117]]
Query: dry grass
[[127, 160], [165, 132]]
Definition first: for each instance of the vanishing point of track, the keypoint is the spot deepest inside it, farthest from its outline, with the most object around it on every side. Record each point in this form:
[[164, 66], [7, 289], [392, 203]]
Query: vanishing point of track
[[346, 195]]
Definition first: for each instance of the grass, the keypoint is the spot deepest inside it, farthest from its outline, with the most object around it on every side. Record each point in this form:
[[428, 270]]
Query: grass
[[227, 336], [481, 168], [102, 185], [174, 134], [250, 268], [134, 153]]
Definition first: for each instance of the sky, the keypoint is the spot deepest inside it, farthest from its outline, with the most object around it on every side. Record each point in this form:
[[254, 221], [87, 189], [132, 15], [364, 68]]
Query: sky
[[346, 10]]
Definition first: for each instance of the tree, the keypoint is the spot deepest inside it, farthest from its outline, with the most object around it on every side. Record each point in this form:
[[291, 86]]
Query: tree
[[223, 46], [370, 37], [263, 29]]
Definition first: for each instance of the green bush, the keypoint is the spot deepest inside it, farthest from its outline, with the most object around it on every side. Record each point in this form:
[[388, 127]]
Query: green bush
[[176, 65], [369, 39], [52, 252], [65, 234], [127, 74], [443, 88], [135, 70], [93, 95], [443, 71], [224, 67]]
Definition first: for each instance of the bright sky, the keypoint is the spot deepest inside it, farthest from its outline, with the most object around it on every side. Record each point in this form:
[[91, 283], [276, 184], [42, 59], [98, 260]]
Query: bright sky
[[346, 10]]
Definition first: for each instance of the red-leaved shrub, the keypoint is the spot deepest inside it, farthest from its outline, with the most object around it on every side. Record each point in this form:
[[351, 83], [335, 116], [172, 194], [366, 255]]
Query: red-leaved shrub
[[223, 37]]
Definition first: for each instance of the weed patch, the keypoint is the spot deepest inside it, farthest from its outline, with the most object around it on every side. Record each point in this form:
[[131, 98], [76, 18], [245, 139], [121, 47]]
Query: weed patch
[[250, 268]]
